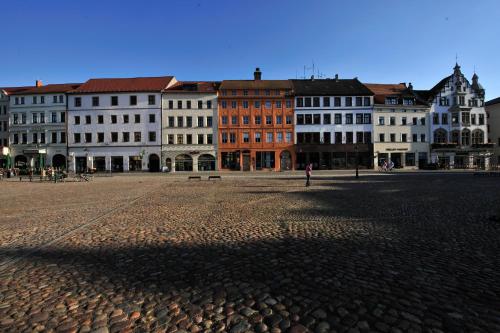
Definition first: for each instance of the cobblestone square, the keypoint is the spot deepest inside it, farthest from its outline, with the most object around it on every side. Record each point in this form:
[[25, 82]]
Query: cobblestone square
[[154, 253]]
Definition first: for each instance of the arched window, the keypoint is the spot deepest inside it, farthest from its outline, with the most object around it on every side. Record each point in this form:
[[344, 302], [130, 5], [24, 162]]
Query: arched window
[[465, 137], [440, 136], [455, 137], [477, 137]]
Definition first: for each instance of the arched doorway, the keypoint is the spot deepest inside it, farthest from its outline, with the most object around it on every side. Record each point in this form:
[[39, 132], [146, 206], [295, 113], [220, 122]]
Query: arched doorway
[[20, 161], [206, 162], [59, 161], [285, 160], [168, 164], [154, 163], [183, 163]]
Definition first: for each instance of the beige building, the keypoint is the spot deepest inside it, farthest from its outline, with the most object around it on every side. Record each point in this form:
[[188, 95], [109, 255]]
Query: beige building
[[189, 126], [400, 126], [493, 116]]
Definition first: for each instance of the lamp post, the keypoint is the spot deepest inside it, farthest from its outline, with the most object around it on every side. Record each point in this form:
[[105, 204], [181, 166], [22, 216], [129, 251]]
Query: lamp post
[[357, 160]]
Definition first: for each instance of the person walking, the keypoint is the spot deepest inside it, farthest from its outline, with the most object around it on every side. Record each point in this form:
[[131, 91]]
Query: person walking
[[308, 174]]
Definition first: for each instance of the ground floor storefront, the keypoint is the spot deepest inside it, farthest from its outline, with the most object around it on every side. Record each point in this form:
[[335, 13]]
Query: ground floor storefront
[[38, 158], [334, 156], [126, 159], [479, 157], [176, 159], [257, 159]]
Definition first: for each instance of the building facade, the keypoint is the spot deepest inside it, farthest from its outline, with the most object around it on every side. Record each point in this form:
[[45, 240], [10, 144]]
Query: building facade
[[37, 125], [400, 126], [255, 125], [458, 129], [115, 124], [333, 123], [189, 126], [493, 119]]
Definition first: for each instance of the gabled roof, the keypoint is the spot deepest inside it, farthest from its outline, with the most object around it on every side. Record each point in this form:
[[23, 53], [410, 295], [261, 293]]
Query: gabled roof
[[136, 84], [493, 101], [11, 90], [330, 87], [255, 84], [48, 89], [398, 90], [194, 86]]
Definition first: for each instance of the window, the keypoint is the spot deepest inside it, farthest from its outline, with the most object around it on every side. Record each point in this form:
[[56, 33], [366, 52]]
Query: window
[[288, 104], [133, 100], [422, 121], [61, 99], [224, 92], [257, 137], [299, 102], [393, 137], [337, 101], [170, 139], [170, 104], [367, 101], [87, 120], [414, 137], [209, 104], [180, 121], [465, 118], [269, 137], [288, 120], [257, 120], [300, 119], [348, 137], [63, 137], [233, 92], [443, 101], [367, 118], [359, 101], [393, 121], [34, 100], [114, 100], [348, 101], [245, 104], [16, 100], [234, 120], [279, 137], [307, 103], [113, 119], [35, 118], [23, 118], [435, 119], [54, 99], [22, 100], [408, 101], [223, 104], [368, 137], [308, 119], [256, 92], [100, 137], [14, 118], [15, 139], [137, 136], [171, 121], [189, 121], [179, 104], [95, 101], [189, 139], [76, 137], [269, 120], [54, 118], [246, 120], [35, 137], [481, 119], [381, 120], [245, 92], [209, 139], [232, 137], [246, 137], [348, 118], [415, 121], [359, 137], [152, 136], [278, 104], [256, 104], [137, 118], [224, 120], [326, 101], [403, 121], [78, 102], [279, 120], [268, 105], [100, 119], [25, 138], [54, 137], [114, 137], [403, 137], [224, 137], [391, 100], [477, 137], [151, 101], [234, 104], [200, 121], [200, 104], [288, 137], [338, 119], [473, 119], [422, 137], [316, 102], [359, 118], [88, 137], [209, 121]]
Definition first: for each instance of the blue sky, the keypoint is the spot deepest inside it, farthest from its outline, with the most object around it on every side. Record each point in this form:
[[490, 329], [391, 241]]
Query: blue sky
[[384, 41]]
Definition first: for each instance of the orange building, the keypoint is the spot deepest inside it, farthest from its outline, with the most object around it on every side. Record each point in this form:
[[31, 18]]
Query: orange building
[[255, 125]]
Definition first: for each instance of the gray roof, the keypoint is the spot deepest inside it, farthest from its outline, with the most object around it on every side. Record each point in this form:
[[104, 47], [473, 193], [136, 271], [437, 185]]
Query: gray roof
[[330, 87]]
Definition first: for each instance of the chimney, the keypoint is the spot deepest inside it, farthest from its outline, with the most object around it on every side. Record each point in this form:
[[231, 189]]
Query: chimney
[[38, 83], [312, 77], [410, 86], [336, 77], [257, 75]]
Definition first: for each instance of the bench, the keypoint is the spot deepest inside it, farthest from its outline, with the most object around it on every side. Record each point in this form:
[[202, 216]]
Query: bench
[[194, 177], [214, 177]]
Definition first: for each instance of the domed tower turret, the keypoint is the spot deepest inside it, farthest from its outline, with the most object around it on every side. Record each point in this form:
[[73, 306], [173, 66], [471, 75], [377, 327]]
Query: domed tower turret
[[478, 88]]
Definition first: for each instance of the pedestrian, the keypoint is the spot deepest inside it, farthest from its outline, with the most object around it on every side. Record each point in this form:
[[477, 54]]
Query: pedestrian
[[308, 174]]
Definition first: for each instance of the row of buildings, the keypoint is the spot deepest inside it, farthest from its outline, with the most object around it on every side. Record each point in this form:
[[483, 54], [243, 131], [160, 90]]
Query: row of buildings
[[155, 123]]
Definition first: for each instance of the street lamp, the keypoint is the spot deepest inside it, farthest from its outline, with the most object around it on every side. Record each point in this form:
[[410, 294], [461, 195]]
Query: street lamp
[[357, 160]]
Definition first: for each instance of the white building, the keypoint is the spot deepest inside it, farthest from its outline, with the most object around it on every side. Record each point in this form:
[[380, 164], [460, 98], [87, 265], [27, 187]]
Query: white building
[[493, 111], [458, 129], [115, 124], [37, 125], [190, 126], [400, 126], [333, 123]]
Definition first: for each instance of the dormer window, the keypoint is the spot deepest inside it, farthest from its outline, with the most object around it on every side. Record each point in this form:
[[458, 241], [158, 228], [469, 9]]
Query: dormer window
[[391, 100], [408, 101]]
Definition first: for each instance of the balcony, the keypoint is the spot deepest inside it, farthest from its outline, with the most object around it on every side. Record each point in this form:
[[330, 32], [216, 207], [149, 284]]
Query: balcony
[[447, 145]]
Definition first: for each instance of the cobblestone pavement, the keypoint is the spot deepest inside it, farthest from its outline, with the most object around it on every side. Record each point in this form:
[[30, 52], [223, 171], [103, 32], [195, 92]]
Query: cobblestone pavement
[[395, 253]]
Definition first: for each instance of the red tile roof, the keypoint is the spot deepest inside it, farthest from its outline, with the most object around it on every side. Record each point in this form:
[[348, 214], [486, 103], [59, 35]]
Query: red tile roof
[[11, 90], [48, 89], [136, 84], [256, 84], [194, 86], [399, 90]]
